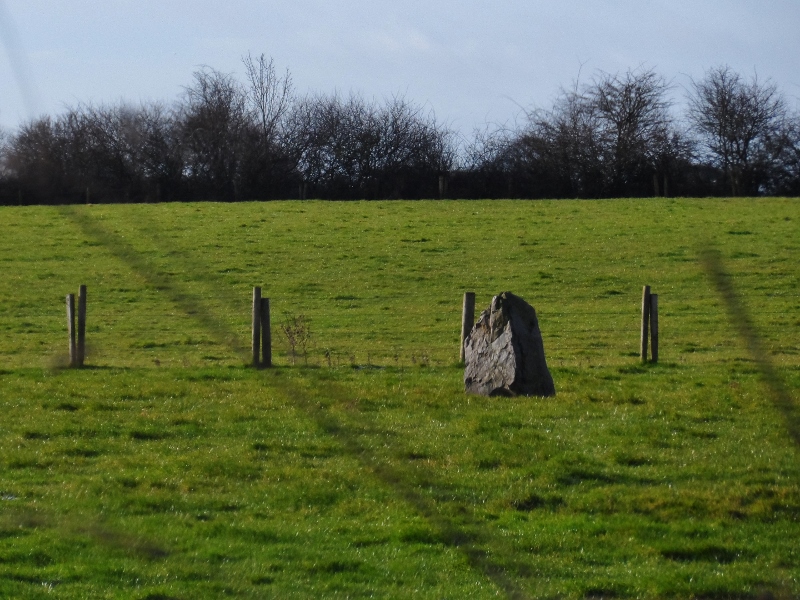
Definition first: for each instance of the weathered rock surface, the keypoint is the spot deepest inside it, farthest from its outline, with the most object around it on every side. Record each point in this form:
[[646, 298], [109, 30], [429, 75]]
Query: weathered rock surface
[[504, 352]]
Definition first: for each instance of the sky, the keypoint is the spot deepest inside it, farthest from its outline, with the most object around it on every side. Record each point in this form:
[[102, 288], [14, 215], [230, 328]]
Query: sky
[[470, 62]]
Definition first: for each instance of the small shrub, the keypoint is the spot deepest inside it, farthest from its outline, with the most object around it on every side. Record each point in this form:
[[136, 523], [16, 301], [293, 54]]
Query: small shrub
[[297, 330]]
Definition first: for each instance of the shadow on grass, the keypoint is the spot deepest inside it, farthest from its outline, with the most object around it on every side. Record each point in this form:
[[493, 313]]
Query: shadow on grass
[[157, 278], [20, 520], [715, 554], [405, 480], [739, 317]]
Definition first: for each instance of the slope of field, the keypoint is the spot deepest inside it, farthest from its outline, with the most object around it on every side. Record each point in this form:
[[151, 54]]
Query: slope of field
[[167, 468]]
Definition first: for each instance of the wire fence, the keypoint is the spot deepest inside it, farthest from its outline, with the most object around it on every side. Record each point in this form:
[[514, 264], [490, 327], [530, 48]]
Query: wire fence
[[146, 331], [182, 311]]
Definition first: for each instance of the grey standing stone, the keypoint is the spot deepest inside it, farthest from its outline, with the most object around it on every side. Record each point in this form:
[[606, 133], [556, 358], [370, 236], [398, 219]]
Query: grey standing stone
[[504, 352]]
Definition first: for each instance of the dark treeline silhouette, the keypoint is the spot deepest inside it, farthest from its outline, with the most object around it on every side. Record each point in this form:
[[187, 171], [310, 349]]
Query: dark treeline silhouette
[[617, 136]]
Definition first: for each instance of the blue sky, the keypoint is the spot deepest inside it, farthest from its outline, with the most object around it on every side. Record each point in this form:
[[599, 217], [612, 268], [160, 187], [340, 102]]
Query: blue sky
[[470, 62]]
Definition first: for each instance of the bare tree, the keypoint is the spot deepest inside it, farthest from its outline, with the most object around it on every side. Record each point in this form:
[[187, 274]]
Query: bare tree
[[411, 147], [783, 153], [214, 124], [271, 160], [503, 162], [352, 148], [269, 97], [735, 119], [566, 142], [159, 152], [6, 172], [7, 179], [49, 157], [107, 153], [112, 143], [636, 129], [613, 137]]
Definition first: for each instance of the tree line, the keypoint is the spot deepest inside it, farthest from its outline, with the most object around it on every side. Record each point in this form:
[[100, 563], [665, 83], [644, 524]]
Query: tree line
[[224, 139]]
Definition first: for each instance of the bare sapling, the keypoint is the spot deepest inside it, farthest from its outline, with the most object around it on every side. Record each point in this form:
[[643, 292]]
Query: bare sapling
[[297, 330]]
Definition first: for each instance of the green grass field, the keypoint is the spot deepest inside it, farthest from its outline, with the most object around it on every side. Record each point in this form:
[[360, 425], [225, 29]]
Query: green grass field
[[168, 468]]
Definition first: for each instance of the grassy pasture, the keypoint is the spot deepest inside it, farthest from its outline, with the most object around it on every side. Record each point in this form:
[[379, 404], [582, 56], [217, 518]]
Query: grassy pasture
[[169, 469]]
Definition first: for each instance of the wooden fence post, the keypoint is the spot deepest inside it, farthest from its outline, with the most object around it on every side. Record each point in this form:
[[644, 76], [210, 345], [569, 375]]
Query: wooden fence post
[[654, 327], [645, 320], [81, 325], [467, 320], [256, 325], [266, 334], [71, 329]]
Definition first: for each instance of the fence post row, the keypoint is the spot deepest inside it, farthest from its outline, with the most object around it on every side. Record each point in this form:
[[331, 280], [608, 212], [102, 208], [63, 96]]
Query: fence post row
[[649, 324], [262, 335], [262, 332], [467, 320]]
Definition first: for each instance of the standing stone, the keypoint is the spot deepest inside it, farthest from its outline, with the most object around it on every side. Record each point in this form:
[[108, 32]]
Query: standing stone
[[504, 352]]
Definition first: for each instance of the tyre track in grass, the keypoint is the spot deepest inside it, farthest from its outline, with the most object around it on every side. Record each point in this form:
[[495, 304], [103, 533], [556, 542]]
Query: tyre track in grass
[[469, 537]]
